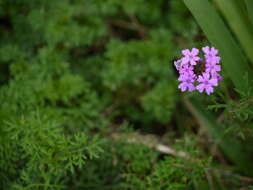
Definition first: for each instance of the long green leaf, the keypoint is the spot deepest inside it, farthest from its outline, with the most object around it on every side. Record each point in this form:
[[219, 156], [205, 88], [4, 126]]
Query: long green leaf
[[234, 62], [249, 4], [234, 149], [239, 23]]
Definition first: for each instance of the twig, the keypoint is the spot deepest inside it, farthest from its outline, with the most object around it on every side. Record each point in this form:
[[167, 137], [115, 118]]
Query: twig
[[143, 30], [152, 142], [209, 179], [133, 25], [249, 101], [167, 150]]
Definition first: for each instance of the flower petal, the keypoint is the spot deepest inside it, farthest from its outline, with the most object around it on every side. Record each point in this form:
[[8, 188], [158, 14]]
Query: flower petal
[[209, 90], [200, 79], [194, 51], [192, 62], [186, 52], [191, 87], [206, 76], [214, 51], [200, 88], [196, 58], [213, 82], [206, 49], [182, 86], [185, 60]]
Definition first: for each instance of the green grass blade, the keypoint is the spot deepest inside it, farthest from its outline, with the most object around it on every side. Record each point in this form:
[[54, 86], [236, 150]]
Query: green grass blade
[[239, 23], [233, 60], [233, 149], [249, 4]]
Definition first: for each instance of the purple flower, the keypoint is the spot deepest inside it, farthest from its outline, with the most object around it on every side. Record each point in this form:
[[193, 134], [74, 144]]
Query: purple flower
[[212, 68], [186, 82], [217, 76], [186, 70], [211, 55], [190, 56], [197, 73], [206, 84], [178, 64]]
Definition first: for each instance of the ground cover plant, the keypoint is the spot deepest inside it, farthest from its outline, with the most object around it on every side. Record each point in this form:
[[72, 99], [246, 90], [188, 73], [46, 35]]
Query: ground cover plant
[[90, 94]]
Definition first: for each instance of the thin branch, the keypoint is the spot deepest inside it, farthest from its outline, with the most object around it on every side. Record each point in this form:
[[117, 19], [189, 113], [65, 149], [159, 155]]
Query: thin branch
[[209, 179], [152, 142], [249, 101], [133, 25]]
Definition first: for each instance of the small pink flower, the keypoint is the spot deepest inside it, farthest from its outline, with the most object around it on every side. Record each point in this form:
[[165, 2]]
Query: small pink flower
[[211, 55], [210, 51], [217, 76], [178, 64], [212, 68], [187, 83], [186, 69], [197, 73], [206, 84], [190, 56]]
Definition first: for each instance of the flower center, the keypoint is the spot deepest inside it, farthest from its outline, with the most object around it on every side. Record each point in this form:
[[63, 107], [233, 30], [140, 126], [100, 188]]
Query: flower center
[[199, 68]]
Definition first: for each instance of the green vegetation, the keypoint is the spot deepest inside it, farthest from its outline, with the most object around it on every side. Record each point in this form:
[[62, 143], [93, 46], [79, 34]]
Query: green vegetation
[[89, 96]]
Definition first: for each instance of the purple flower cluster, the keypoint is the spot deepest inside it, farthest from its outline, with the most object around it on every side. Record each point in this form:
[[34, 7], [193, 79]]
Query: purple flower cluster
[[197, 73]]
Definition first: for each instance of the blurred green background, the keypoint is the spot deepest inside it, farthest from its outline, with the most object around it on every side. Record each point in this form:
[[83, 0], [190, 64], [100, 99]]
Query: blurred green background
[[89, 100]]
